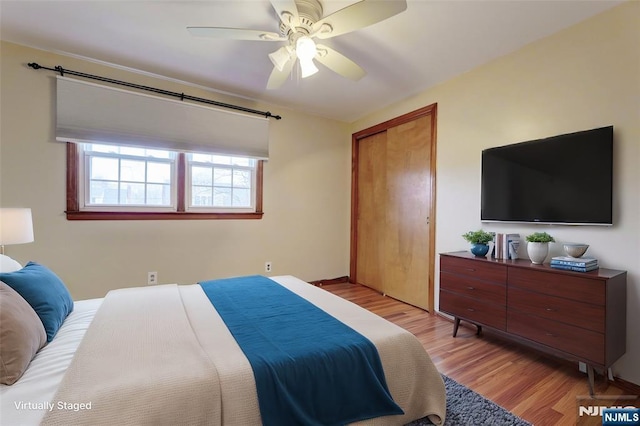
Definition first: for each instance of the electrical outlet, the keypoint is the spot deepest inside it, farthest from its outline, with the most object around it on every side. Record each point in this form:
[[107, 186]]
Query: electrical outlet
[[152, 278], [267, 266]]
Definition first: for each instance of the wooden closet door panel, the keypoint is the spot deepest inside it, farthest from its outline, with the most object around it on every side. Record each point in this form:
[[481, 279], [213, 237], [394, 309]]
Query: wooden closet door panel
[[408, 200], [393, 199], [371, 210]]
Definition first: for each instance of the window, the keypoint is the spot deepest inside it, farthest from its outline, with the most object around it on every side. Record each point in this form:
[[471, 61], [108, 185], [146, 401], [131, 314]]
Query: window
[[114, 176], [121, 182], [220, 182]]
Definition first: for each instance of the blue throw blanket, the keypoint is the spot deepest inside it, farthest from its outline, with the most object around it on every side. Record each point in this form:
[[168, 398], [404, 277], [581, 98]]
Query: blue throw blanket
[[310, 368]]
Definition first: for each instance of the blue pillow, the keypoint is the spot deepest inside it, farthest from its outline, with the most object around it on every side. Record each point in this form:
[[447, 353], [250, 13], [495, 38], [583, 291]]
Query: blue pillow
[[45, 292]]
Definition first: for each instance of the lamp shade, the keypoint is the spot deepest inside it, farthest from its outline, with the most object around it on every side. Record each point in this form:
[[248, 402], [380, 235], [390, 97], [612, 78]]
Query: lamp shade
[[280, 57], [16, 226], [306, 50]]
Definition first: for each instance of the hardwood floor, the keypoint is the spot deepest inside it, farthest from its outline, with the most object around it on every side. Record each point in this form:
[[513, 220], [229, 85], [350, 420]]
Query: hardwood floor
[[540, 389]]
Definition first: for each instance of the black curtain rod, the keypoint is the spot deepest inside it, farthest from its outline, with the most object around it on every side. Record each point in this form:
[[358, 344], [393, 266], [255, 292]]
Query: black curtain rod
[[182, 96]]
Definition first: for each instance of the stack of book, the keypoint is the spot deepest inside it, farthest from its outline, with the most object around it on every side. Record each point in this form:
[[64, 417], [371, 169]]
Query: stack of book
[[582, 264], [506, 246]]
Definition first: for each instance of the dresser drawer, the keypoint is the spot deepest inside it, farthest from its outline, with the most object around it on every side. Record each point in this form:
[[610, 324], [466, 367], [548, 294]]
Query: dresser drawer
[[582, 343], [558, 284], [476, 269], [566, 311], [473, 309], [481, 290]]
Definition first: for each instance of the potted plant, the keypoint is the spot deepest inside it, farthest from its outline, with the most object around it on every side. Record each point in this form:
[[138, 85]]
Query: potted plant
[[538, 246], [479, 241]]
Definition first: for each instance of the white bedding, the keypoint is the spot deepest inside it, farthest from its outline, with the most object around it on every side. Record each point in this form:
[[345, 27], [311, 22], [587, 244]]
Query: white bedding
[[406, 376], [39, 383]]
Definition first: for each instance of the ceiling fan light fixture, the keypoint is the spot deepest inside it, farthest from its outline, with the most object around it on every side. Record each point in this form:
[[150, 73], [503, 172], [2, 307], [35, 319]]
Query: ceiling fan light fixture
[[280, 57], [305, 51], [305, 48], [307, 67]]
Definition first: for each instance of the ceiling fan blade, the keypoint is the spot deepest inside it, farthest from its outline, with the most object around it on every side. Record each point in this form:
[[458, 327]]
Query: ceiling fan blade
[[235, 34], [287, 12], [356, 16], [278, 77], [339, 63]]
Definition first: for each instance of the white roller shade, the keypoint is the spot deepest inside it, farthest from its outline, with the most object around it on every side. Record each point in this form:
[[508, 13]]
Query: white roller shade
[[88, 112]]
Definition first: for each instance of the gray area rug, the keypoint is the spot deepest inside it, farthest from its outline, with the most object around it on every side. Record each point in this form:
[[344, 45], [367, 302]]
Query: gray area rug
[[466, 407]]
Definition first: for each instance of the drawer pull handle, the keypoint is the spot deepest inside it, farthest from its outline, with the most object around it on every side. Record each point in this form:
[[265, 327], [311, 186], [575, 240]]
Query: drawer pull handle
[[469, 269], [470, 288], [550, 334], [471, 310], [550, 310]]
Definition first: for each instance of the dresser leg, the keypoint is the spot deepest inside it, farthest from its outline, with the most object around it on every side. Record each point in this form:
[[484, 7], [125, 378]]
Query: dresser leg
[[479, 330], [456, 324], [590, 377]]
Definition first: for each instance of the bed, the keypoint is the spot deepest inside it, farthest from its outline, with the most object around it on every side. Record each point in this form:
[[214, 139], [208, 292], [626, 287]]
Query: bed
[[91, 374]]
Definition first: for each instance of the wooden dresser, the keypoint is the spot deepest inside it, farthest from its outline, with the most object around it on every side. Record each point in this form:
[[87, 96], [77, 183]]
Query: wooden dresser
[[573, 315]]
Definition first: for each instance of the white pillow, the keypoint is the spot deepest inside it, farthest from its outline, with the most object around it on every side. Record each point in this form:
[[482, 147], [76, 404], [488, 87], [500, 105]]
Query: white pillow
[[7, 264]]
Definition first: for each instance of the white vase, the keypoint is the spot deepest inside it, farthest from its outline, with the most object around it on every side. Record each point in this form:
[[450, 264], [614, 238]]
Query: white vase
[[537, 252]]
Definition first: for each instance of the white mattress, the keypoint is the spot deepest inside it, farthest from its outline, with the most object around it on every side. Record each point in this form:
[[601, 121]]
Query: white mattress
[[39, 383]]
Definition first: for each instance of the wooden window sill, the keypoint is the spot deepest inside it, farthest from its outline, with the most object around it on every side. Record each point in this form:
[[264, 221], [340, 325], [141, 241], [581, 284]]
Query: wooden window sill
[[86, 215]]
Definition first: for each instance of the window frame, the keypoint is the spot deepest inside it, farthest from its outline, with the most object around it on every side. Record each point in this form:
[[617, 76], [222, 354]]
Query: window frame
[[73, 211]]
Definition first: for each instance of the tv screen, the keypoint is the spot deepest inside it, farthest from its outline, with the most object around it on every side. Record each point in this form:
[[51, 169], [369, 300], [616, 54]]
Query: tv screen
[[565, 179]]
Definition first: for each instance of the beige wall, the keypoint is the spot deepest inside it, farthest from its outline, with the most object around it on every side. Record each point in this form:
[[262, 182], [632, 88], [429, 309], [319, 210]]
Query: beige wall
[[584, 77], [304, 231]]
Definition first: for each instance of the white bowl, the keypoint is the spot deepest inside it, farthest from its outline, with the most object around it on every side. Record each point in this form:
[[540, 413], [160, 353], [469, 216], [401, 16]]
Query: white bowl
[[575, 250]]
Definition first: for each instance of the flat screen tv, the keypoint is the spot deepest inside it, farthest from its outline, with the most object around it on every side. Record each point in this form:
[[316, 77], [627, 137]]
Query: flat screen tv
[[565, 179]]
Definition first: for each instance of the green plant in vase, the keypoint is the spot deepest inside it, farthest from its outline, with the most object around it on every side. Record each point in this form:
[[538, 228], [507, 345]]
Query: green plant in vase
[[479, 241], [538, 246]]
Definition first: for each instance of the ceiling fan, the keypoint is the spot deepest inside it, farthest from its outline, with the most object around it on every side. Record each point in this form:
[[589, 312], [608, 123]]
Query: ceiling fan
[[300, 22]]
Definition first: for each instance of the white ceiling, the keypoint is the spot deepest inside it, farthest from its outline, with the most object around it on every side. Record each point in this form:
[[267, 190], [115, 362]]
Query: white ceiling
[[430, 42]]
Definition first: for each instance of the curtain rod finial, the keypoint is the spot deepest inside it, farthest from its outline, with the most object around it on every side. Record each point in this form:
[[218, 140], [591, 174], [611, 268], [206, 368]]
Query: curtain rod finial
[[34, 65]]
